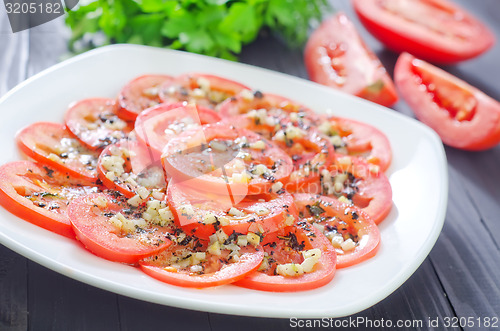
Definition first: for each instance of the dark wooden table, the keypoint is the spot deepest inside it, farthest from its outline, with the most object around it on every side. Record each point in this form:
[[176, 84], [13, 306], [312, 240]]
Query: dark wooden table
[[460, 278]]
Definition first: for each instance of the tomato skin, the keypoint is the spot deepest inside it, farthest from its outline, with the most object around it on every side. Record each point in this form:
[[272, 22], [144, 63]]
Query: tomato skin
[[191, 81], [228, 274], [139, 94], [103, 239], [96, 111], [469, 38], [336, 56], [361, 223], [151, 124], [16, 176], [436, 108], [38, 141], [324, 273]]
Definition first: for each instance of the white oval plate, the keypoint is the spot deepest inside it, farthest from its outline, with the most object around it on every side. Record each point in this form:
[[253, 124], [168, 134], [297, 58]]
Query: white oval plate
[[418, 177]]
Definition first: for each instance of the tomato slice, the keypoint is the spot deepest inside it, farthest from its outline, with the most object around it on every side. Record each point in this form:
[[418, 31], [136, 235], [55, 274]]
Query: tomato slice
[[434, 30], [54, 145], [139, 94], [285, 267], [95, 122], [40, 195], [336, 56], [203, 213], [462, 116], [129, 167], [222, 159], [193, 263], [111, 228], [351, 231], [207, 91], [350, 137], [266, 109], [157, 125]]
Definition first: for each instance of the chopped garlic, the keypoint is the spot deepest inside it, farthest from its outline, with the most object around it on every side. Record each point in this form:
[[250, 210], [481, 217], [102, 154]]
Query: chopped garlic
[[276, 187], [348, 245], [235, 212]]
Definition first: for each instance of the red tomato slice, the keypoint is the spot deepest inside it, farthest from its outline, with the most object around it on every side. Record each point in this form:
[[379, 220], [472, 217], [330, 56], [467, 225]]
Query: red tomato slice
[[266, 109], [207, 91], [95, 123], [222, 159], [435, 30], [40, 195], [189, 263], [286, 248], [139, 94], [351, 231], [462, 116], [336, 56], [350, 137], [156, 126], [54, 145], [127, 238], [129, 166], [202, 213]]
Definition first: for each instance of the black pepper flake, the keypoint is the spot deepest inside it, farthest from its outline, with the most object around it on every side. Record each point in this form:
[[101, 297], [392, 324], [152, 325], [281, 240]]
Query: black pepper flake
[[49, 171]]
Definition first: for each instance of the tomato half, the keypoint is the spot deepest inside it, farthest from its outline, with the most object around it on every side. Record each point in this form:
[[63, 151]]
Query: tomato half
[[157, 125], [336, 56], [462, 116], [40, 195], [350, 137], [222, 159], [190, 263], [139, 94], [95, 122], [351, 231], [286, 248], [207, 91], [54, 145], [111, 228], [130, 166], [203, 213], [434, 30]]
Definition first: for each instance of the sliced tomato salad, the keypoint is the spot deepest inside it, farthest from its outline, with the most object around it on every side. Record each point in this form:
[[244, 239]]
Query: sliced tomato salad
[[40, 194], [53, 145], [463, 116], [157, 125], [139, 94], [226, 160], [112, 228], [350, 137], [297, 258], [190, 262], [337, 56], [207, 91], [352, 232], [95, 122]]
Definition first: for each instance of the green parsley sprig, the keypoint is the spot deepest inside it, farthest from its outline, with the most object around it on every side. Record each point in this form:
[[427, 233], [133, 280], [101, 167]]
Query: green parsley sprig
[[212, 27]]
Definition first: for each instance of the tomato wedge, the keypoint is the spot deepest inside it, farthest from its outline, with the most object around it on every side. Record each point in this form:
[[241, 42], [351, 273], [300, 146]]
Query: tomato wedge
[[40, 195], [336, 56], [129, 167], [222, 159], [350, 137], [463, 116], [157, 125], [351, 231], [192, 263], [203, 213], [139, 94], [434, 30], [95, 122], [207, 91], [296, 259], [113, 229], [53, 145]]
